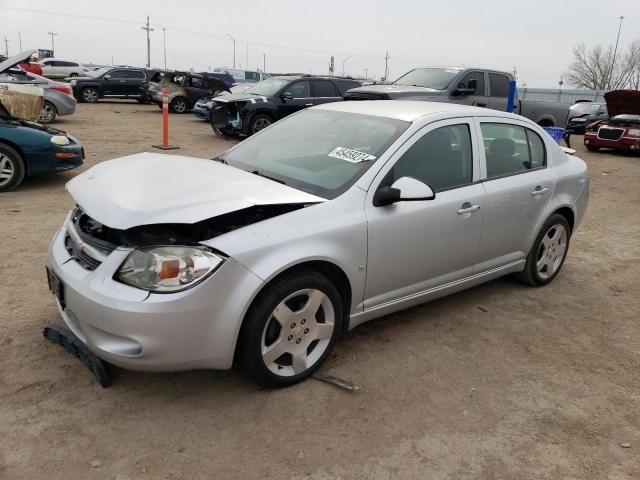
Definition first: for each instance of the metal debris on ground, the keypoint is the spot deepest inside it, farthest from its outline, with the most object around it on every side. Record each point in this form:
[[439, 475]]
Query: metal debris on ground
[[338, 382], [625, 445]]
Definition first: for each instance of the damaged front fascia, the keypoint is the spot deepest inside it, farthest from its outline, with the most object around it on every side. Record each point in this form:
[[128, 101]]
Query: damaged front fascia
[[176, 233]]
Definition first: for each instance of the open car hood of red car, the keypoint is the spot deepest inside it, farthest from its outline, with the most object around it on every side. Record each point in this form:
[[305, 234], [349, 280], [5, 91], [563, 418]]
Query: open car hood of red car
[[623, 101]]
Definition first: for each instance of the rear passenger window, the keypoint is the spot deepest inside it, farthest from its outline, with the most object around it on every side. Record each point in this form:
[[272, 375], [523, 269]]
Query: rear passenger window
[[135, 74], [324, 88], [498, 85], [442, 159], [511, 149]]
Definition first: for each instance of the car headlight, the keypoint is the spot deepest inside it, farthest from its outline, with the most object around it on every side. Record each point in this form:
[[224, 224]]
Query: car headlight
[[209, 105], [167, 269], [59, 140], [634, 132]]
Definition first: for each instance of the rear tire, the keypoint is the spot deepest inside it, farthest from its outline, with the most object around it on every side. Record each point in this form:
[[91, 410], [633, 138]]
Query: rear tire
[[282, 351], [548, 252], [12, 169], [48, 113], [179, 105]]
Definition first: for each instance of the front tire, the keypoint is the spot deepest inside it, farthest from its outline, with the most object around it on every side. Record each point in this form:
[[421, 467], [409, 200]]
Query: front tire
[[290, 329], [259, 122], [548, 252], [89, 95], [48, 113], [12, 169]]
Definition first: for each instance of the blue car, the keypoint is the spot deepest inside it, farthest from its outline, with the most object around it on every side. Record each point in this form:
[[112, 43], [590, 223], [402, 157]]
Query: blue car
[[29, 149]]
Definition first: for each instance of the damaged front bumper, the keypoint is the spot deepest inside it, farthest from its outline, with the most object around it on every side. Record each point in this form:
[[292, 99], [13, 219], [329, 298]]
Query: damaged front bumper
[[139, 330], [225, 116], [202, 111]]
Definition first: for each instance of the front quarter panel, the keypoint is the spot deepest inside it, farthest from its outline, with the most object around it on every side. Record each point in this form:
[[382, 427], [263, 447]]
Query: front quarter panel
[[333, 231]]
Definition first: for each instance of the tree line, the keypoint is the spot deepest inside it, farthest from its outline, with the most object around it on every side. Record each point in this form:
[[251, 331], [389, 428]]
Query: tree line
[[601, 68]]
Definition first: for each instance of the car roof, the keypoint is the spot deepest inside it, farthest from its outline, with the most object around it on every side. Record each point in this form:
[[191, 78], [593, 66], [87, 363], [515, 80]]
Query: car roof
[[409, 110]]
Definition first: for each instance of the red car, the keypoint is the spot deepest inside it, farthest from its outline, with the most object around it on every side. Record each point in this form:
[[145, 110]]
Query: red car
[[622, 130], [31, 68]]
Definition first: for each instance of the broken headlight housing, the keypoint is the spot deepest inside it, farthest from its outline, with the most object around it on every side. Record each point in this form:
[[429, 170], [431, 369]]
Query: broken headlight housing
[[168, 269]]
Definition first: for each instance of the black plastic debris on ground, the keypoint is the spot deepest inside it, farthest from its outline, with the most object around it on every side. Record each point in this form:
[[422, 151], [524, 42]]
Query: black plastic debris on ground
[[64, 337]]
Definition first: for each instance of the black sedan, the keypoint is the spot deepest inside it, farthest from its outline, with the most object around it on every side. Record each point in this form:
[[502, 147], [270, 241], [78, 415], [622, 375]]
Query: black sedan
[[583, 113]]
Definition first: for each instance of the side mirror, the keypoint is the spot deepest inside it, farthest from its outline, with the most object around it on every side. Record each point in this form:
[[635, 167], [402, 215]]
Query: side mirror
[[107, 77], [470, 89], [287, 96], [405, 189]]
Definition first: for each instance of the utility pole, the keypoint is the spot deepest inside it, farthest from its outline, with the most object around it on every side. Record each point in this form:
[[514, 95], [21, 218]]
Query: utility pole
[[264, 62], [20, 41], [164, 46], [386, 67], [53, 49], [112, 61], [615, 50], [234, 49], [366, 75], [6, 46], [515, 73], [148, 29], [246, 65]]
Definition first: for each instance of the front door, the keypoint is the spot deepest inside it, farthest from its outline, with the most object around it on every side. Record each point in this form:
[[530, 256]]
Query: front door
[[115, 83], [479, 97], [300, 90], [518, 186], [414, 246]]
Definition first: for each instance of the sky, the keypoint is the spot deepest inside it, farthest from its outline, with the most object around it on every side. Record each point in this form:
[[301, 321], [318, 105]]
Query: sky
[[536, 37]]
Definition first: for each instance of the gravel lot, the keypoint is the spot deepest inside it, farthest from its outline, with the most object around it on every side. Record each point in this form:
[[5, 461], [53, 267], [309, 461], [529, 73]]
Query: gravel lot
[[500, 381]]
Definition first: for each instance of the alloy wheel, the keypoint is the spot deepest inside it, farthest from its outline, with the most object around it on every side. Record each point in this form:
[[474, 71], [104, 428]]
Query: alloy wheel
[[7, 170], [179, 106], [47, 114], [552, 251], [90, 95], [298, 332], [261, 124]]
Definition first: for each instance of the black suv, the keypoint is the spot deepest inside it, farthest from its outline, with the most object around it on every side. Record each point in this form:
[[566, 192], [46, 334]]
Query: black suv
[[272, 99], [115, 83]]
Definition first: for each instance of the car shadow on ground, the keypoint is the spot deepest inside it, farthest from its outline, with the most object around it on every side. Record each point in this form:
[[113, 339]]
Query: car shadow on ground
[[427, 315]]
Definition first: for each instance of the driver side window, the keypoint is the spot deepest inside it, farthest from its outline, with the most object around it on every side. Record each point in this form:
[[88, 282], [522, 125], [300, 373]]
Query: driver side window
[[299, 89], [442, 159]]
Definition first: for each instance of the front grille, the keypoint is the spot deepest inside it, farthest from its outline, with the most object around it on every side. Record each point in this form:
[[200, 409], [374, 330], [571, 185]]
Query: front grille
[[607, 133], [84, 260]]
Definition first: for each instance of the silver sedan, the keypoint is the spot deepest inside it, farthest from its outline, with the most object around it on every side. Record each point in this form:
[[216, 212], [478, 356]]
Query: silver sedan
[[327, 219]]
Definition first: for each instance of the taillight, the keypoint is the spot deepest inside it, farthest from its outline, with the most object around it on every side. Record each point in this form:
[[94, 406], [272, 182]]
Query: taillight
[[62, 88]]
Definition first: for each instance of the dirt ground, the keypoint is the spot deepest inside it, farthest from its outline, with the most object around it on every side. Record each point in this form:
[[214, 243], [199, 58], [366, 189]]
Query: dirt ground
[[501, 381]]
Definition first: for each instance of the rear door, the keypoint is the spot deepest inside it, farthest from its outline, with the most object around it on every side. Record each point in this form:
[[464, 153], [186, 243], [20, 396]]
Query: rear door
[[300, 90], [134, 80], [499, 91], [518, 186], [324, 91]]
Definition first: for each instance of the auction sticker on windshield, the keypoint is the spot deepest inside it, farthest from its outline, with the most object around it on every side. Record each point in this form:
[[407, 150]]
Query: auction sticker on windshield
[[353, 156]]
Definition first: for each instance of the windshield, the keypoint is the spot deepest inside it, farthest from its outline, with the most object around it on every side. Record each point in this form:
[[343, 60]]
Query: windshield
[[586, 108], [436, 78], [267, 88], [317, 151]]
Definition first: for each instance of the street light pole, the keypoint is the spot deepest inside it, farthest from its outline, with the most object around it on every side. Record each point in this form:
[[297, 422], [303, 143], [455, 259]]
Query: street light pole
[[234, 49], [6, 46], [53, 50], [164, 46], [366, 76], [20, 41], [343, 62], [615, 50], [264, 62]]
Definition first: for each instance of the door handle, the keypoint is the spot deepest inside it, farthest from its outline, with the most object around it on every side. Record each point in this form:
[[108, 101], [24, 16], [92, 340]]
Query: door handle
[[308, 104], [539, 191], [468, 208]]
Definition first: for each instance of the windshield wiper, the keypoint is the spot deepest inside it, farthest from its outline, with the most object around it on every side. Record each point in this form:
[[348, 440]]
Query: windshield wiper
[[256, 172]]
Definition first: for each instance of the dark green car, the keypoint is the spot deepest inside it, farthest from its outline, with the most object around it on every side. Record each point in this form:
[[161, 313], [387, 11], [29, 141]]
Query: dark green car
[[29, 149]]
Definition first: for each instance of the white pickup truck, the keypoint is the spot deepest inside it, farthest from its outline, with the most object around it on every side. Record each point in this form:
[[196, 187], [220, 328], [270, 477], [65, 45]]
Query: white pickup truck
[[469, 86]]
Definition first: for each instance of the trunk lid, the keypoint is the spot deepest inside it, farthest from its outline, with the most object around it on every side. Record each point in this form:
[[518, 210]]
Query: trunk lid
[[151, 188]]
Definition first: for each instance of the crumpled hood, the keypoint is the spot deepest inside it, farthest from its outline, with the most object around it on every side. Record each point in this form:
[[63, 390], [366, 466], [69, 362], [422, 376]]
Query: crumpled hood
[[153, 188], [622, 101]]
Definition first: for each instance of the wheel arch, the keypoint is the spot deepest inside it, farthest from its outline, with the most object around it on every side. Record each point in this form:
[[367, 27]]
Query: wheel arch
[[568, 213], [20, 152]]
